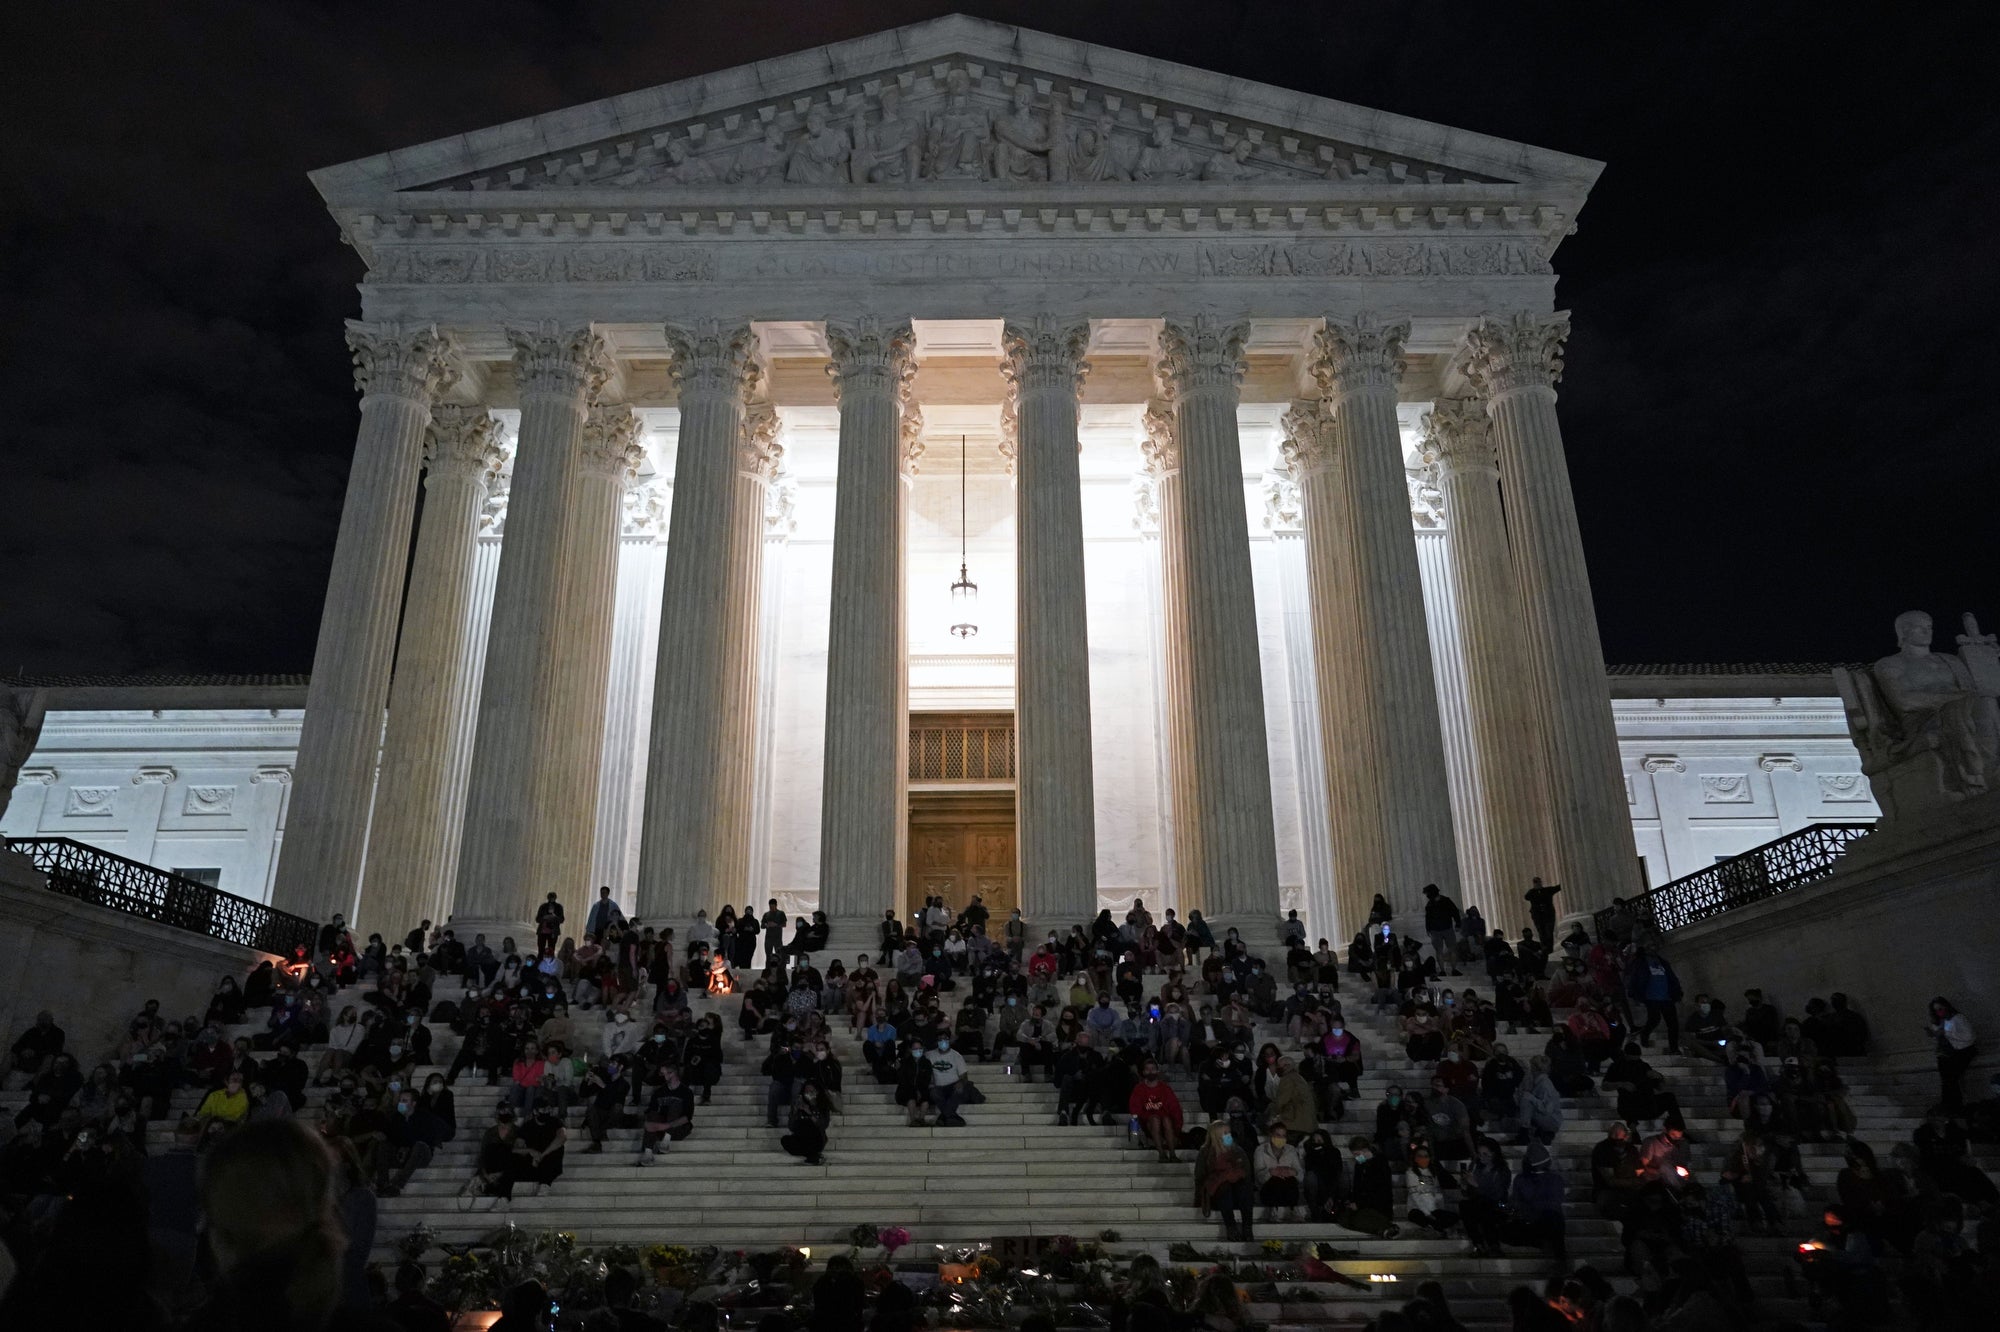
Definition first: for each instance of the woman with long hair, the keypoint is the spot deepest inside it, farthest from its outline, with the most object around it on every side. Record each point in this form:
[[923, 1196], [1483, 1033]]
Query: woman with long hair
[[269, 1192]]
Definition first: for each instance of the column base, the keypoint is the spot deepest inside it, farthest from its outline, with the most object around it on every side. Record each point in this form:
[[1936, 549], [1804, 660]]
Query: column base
[[1260, 933], [522, 932]]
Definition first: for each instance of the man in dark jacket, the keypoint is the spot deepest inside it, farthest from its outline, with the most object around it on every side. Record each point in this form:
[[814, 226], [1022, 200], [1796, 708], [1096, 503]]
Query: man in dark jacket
[[1650, 979], [1441, 916]]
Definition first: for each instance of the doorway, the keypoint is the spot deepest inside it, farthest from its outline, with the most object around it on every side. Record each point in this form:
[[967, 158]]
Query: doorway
[[962, 844]]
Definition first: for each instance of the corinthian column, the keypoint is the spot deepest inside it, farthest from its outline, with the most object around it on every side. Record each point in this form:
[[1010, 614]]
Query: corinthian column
[[1385, 700], [399, 370], [694, 850], [409, 841], [1507, 771], [1226, 827], [607, 465], [513, 800], [1516, 362], [1058, 829], [861, 815]]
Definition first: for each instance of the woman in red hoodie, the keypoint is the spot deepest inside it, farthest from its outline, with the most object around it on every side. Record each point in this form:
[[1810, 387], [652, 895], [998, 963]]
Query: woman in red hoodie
[[1156, 1111]]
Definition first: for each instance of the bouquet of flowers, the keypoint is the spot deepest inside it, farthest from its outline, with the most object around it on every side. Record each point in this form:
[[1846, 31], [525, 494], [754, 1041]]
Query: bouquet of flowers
[[892, 1238]]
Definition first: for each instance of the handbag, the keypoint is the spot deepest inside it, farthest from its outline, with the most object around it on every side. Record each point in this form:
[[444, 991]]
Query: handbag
[[969, 1094]]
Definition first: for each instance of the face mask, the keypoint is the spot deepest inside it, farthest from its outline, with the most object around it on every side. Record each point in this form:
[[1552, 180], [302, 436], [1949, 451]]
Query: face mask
[[1277, 1140], [1340, 1031], [1011, 1001], [396, 1048], [395, 1084], [659, 1040], [624, 1017], [411, 1019], [1395, 1100], [404, 1107], [1453, 1056], [1228, 1139], [944, 1045]]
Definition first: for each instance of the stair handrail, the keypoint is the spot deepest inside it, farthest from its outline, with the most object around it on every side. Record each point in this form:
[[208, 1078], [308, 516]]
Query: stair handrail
[[1777, 866], [118, 883]]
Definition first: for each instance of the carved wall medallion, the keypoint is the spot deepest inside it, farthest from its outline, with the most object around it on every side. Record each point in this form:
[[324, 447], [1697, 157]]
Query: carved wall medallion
[[1843, 787], [1725, 789], [90, 802], [209, 800]]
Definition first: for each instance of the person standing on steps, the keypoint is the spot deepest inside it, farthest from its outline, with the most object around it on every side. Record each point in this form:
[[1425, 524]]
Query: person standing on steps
[[604, 914], [1441, 919], [1650, 979], [1956, 1048], [774, 933], [1542, 909], [548, 926]]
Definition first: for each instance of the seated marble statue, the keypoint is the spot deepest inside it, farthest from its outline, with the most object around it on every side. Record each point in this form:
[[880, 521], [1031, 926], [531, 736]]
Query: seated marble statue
[[1917, 702]]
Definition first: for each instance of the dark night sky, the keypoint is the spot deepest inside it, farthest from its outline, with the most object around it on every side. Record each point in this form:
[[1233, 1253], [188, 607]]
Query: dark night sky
[[1784, 285]]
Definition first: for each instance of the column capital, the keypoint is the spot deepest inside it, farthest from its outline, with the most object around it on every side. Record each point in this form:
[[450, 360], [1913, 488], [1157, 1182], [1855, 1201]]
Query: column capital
[[150, 775], [1284, 507], [1201, 354], [1161, 448], [780, 501], [560, 360], [1044, 352], [1456, 438], [911, 433], [463, 443], [611, 441], [713, 356], [758, 453], [870, 352], [646, 509], [1309, 444], [1010, 428], [1504, 354], [1358, 355], [273, 773], [413, 361]]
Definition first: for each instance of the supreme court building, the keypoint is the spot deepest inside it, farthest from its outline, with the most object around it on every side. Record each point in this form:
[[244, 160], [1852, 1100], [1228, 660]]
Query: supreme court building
[[678, 409]]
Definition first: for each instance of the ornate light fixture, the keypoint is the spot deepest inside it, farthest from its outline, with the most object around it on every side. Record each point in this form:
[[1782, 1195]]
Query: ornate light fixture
[[965, 592]]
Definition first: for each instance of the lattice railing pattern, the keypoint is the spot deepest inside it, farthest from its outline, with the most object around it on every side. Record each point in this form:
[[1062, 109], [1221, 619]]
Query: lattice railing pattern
[[1765, 871], [92, 875], [961, 753]]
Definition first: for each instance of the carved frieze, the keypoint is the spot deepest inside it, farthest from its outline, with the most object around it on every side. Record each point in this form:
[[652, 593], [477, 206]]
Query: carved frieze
[[210, 800], [957, 120], [508, 259]]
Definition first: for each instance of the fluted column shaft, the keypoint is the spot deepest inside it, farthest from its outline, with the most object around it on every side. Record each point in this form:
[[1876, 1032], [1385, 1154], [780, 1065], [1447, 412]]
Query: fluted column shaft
[[409, 840], [694, 850], [398, 370], [861, 802], [1162, 455], [1389, 679], [1056, 812], [1201, 371], [1507, 770], [1516, 362], [505, 863], [607, 465], [1347, 724]]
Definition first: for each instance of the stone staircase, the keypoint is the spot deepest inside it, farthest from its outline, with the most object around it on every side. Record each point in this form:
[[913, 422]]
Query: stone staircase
[[1013, 1171]]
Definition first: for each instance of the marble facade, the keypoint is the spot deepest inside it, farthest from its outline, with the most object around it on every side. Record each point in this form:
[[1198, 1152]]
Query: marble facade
[[787, 292]]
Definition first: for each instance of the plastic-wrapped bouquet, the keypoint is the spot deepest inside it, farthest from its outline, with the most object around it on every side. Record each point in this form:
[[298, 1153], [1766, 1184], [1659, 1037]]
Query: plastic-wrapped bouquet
[[892, 1238]]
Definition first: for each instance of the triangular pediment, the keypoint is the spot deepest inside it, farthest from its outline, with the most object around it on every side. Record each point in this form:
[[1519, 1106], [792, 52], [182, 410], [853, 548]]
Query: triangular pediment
[[959, 104]]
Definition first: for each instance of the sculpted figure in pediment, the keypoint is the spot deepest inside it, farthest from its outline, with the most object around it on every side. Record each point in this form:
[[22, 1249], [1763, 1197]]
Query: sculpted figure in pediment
[[891, 150], [761, 162], [819, 157], [1025, 142], [1163, 159], [1094, 153], [1232, 165], [957, 145], [681, 167]]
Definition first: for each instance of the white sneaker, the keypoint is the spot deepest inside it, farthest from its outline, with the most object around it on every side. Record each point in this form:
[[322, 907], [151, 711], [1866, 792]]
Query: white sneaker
[[646, 1157]]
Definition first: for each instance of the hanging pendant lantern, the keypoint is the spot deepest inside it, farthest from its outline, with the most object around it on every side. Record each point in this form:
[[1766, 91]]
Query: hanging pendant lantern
[[965, 592]]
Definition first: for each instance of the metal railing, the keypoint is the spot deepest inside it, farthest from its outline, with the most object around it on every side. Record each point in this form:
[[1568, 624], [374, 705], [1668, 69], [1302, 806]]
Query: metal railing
[[1795, 859], [102, 879]]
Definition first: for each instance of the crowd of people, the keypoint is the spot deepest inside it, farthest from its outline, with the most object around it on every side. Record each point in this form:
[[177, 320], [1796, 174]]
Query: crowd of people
[[588, 1038]]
